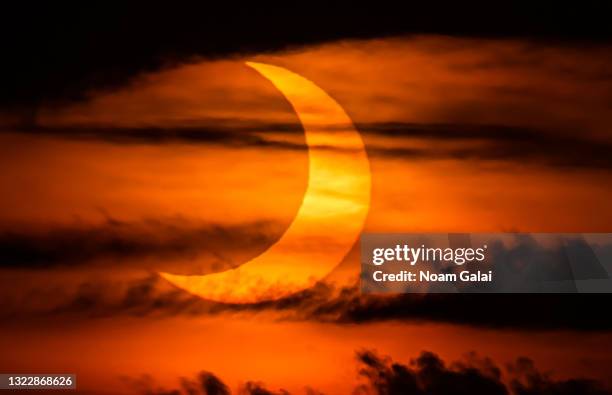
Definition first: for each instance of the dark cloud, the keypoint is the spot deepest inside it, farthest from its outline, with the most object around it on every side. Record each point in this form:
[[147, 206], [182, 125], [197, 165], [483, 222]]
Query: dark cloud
[[206, 383], [211, 385], [150, 295], [493, 142], [59, 53], [536, 312], [527, 380], [154, 297], [256, 388], [232, 133], [459, 141], [427, 374], [113, 240]]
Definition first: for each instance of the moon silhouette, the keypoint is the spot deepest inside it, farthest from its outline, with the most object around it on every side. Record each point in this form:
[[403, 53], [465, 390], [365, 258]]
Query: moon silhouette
[[331, 215]]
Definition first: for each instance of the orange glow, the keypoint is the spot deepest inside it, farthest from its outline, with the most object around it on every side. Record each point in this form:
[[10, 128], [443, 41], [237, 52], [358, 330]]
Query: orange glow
[[332, 213], [244, 162]]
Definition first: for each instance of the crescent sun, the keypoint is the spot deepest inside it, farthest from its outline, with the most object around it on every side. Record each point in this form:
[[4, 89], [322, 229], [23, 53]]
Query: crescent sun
[[331, 215]]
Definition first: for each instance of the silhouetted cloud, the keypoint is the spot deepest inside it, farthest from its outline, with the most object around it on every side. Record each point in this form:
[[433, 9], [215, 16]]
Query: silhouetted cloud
[[150, 295], [233, 133], [63, 52], [255, 388], [537, 311], [463, 141], [428, 374], [527, 380], [492, 142], [206, 383], [80, 244], [154, 297], [211, 385]]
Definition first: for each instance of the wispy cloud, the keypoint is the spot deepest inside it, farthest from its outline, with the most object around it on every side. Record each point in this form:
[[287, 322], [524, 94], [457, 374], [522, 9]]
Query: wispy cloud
[[81, 245], [398, 140]]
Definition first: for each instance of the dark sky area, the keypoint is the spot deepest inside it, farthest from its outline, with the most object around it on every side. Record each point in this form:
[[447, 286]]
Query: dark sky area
[[55, 54]]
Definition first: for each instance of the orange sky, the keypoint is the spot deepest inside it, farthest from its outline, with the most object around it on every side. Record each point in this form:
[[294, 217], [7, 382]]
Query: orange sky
[[281, 354], [421, 81], [82, 172]]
